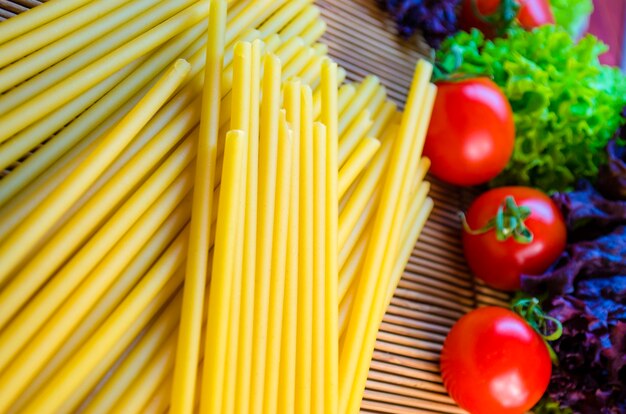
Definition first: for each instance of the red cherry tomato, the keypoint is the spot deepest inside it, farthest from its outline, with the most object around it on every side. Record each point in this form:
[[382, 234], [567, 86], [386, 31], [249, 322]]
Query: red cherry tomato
[[531, 14], [471, 134], [493, 362], [469, 19], [501, 263], [535, 13]]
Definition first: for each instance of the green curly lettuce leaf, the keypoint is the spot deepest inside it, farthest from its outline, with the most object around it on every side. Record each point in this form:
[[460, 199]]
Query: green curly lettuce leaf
[[547, 406], [566, 104], [572, 14]]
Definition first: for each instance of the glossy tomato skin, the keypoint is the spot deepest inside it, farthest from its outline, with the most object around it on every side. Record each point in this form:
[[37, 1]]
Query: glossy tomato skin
[[469, 20], [493, 362], [471, 134], [501, 263], [535, 13], [532, 13]]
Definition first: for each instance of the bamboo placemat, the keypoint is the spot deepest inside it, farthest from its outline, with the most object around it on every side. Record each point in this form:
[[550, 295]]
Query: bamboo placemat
[[436, 288]]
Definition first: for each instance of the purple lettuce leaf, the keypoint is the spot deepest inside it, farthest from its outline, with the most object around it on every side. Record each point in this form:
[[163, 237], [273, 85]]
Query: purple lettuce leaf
[[612, 176], [586, 292], [435, 19], [605, 256], [591, 376], [587, 213]]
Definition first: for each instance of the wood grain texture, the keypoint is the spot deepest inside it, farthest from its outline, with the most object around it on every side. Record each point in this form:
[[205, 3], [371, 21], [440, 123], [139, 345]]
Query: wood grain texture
[[436, 288]]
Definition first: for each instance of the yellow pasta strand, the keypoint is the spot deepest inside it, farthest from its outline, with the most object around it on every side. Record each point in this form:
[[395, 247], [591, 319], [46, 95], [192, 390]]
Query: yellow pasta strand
[[35, 39], [69, 83], [244, 357], [330, 118], [346, 93], [288, 344], [278, 265], [36, 17], [353, 135], [372, 177], [355, 334], [41, 59], [162, 279], [231, 194], [403, 256], [356, 163], [378, 305], [304, 341], [139, 392], [14, 247], [267, 197], [240, 120], [377, 100], [345, 309], [299, 24], [319, 267], [33, 356], [124, 283], [298, 62], [354, 262], [160, 339], [282, 17], [160, 400], [382, 119], [124, 33], [314, 32], [363, 94], [32, 136], [83, 222], [196, 274]]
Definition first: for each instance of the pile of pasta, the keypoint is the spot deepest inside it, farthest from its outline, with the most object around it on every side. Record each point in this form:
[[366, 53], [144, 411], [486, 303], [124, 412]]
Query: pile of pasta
[[195, 212]]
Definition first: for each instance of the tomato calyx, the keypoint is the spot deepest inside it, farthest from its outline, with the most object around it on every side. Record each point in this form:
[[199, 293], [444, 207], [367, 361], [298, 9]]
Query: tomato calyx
[[549, 328], [530, 310], [502, 19], [448, 71], [508, 222]]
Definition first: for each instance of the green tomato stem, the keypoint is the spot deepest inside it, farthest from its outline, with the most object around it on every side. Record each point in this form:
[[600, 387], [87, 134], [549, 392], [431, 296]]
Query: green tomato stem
[[502, 19], [508, 222], [529, 309]]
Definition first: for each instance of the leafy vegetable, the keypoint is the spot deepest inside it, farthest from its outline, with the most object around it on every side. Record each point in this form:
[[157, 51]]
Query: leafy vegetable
[[435, 19], [612, 179], [549, 406], [572, 14], [597, 232], [602, 257], [586, 292], [591, 376], [566, 104], [588, 214]]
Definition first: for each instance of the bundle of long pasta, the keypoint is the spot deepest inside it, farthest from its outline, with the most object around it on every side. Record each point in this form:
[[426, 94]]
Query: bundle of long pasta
[[196, 235]]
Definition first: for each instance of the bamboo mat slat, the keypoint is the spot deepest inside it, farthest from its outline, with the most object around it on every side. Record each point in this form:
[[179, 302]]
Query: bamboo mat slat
[[13, 6], [5, 14], [421, 326], [28, 3], [436, 288]]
